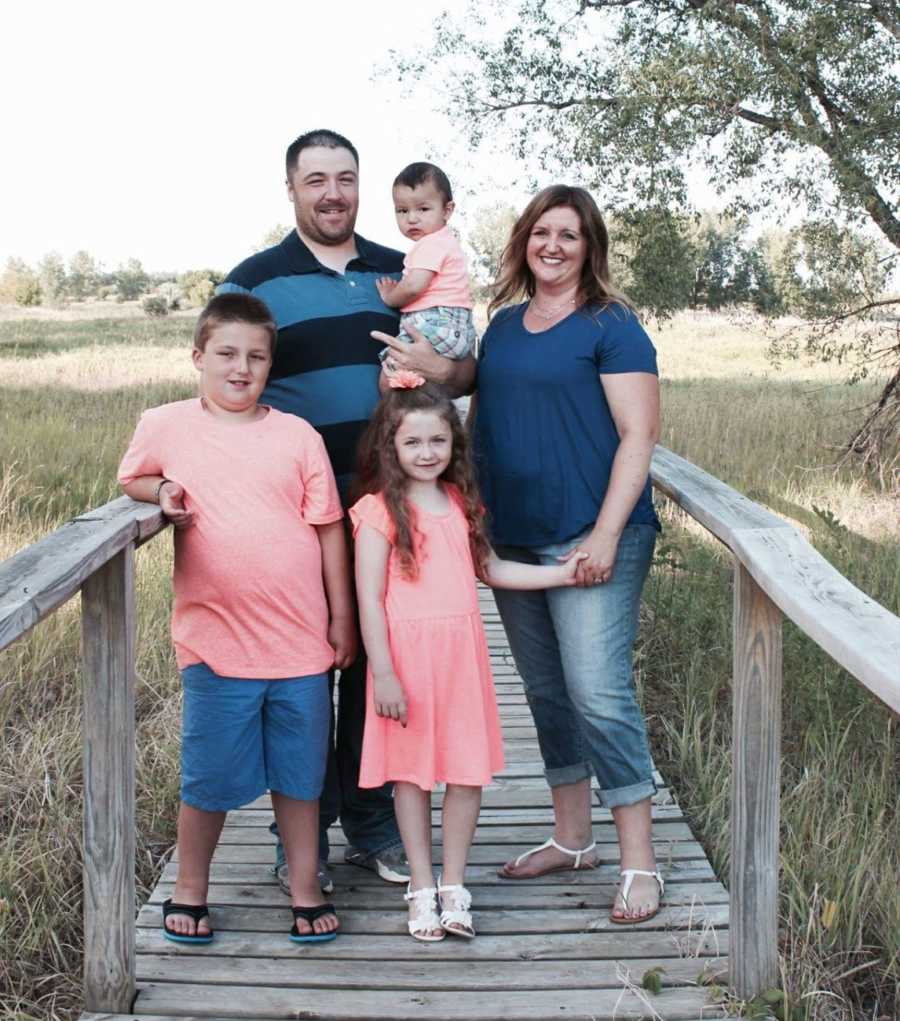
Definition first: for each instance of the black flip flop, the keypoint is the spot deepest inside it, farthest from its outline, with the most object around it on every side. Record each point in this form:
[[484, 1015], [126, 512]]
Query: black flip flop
[[309, 915], [195, 911]]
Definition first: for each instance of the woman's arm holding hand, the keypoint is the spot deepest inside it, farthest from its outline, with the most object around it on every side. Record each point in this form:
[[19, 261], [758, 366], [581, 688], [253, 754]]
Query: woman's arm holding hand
[[633, 399], [372, 553]]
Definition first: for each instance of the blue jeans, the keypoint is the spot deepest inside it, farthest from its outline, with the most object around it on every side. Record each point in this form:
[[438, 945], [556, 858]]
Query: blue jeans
[[574, 648], [366, 814]]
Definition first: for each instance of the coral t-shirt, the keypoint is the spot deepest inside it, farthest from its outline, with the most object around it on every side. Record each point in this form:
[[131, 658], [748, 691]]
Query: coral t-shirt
[[441, 253], [249, 594]]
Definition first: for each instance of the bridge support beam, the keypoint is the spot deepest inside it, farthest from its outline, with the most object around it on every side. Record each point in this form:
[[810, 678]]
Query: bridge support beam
[[755, 787], [107, 600]]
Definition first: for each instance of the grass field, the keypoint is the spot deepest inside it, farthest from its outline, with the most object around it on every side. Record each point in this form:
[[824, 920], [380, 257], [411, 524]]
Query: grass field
[[70, 394]]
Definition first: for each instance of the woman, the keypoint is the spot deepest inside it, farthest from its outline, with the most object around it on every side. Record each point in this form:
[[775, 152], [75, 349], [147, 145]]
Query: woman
[[567, 418]]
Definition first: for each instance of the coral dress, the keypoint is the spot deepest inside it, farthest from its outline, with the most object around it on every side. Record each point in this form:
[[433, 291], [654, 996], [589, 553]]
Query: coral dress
[[440, 657]]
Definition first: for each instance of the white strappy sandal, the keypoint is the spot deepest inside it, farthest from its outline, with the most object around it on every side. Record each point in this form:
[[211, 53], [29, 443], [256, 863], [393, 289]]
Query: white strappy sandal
[[456, 920], [425, 917], [577, 865], [628, 875]]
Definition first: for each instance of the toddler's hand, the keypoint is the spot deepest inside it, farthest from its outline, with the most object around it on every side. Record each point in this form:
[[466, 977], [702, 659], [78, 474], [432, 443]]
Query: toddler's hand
[[171, 503], [342, 638], [385, 287], [390, 701]]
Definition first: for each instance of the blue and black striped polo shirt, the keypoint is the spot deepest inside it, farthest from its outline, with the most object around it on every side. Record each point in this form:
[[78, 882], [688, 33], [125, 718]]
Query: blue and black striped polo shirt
[[326, 365]]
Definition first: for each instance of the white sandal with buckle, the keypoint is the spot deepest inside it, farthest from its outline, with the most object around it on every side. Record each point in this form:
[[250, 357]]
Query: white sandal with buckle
[[578, 864], [455, 917], [425, 917], [628, 875]]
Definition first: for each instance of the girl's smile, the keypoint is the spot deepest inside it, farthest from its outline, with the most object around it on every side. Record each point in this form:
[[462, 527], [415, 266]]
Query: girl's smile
[[424, 445]]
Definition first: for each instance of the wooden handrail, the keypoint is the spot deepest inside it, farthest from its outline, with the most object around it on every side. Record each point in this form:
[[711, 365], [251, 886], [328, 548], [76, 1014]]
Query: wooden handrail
[[775, 570]]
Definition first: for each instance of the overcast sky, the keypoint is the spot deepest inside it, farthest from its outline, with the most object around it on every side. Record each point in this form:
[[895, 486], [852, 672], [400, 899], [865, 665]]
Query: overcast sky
[[158, 130]]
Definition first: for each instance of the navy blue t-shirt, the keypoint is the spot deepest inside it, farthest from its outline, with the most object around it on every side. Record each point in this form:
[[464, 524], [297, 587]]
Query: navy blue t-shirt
[[544, 435]]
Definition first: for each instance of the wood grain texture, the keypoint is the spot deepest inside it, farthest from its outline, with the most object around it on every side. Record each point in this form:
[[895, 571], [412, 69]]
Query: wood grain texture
[[43, 576], [108, 641], [755, 787], [857, 632]]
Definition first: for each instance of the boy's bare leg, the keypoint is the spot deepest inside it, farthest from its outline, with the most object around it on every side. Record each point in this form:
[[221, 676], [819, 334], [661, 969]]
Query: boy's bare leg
[[198, 834], [298, 827], [412, 806]]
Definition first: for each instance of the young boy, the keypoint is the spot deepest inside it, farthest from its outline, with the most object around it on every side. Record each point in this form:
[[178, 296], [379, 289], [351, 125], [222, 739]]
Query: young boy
[[433, 295], [262, 605]]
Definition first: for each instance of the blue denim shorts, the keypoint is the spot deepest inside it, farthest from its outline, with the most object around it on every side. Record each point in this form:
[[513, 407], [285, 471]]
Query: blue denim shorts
[[242, 737], [574, 648]]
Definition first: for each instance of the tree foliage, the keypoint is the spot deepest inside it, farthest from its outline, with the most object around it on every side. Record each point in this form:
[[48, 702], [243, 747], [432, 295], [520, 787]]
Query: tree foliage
[[783, 103]]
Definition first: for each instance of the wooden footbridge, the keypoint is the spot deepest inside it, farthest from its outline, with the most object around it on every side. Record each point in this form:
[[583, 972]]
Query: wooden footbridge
[[546, 948]]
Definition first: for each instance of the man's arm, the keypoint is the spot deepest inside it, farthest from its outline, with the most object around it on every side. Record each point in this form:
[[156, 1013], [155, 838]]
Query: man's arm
[[457, 375]]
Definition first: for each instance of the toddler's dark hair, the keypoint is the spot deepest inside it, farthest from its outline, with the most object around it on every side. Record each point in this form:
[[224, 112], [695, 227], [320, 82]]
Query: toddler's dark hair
[[419, 173]]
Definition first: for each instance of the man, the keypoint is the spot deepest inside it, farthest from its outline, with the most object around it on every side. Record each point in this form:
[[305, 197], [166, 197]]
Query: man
[[319, 284]]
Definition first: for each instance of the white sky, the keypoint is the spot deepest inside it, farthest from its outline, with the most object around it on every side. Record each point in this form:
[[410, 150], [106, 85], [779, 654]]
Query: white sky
[[158, 130]]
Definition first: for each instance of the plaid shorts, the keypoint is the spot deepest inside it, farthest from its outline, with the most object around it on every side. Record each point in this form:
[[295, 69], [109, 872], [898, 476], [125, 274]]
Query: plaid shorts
[[450, 331]]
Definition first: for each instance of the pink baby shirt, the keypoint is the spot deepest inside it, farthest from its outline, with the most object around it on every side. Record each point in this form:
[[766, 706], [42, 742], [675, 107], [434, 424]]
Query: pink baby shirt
[[441, 253]]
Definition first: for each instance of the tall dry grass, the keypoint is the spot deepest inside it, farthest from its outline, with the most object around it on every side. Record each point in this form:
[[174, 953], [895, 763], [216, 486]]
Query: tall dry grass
[[70, 395]]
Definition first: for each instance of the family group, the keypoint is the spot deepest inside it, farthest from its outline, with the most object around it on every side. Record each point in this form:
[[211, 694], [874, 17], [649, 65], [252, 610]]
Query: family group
[[324, 489]]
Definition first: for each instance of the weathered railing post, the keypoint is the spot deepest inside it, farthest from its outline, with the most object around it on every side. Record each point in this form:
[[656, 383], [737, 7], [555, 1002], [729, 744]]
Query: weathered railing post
[[107, 599], [755, 787]]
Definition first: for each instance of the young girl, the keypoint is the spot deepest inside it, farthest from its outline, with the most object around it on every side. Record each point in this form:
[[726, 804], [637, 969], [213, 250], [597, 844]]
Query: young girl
[[431, 713]]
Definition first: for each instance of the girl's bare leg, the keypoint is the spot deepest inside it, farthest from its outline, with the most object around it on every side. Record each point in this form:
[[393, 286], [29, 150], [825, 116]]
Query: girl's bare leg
[[198, 834], [412, 806], [459, 819]]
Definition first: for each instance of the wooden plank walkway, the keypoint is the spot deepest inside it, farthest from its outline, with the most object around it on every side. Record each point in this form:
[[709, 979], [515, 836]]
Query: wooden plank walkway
[[545, 949]]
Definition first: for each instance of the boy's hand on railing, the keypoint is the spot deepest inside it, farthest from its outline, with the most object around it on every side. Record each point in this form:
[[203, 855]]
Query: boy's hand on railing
[[342, 637], [171, 503], [390, 700]]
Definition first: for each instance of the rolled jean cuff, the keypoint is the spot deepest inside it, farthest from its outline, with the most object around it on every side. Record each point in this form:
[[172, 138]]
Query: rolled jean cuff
[[620, 796], [568, 774]]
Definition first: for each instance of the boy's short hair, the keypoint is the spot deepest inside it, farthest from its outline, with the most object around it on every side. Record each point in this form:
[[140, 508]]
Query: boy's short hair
[[418, 173], [324, 137], [234, 307]]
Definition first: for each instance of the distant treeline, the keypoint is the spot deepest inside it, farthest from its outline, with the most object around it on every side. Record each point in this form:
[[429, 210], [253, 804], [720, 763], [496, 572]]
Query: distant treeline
[[54, 283]]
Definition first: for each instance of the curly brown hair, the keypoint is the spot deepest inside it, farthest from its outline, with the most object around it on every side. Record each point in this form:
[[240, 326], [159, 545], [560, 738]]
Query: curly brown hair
[[516, 280], [379, 471]]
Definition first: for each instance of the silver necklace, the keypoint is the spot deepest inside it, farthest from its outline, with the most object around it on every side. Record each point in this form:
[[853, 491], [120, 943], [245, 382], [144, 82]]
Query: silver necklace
[[550, 311]]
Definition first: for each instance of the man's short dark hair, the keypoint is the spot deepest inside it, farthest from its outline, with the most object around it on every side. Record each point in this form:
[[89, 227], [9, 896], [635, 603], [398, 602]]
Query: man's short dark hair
[[418, 173], [320, 137], [234, 307]]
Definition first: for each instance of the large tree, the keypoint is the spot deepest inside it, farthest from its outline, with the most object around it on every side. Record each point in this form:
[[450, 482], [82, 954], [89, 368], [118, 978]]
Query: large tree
[[783, 103]]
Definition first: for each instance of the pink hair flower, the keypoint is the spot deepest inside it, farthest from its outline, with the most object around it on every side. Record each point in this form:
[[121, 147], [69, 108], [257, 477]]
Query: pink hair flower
[[405, 379]]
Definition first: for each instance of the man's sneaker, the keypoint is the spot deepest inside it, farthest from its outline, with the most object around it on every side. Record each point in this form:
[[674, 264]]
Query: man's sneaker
[[323, 875], [390, 863]]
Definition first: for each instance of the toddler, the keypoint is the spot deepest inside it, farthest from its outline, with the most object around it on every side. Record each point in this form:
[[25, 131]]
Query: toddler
[[433, 295], [431, 711], [262, 606]]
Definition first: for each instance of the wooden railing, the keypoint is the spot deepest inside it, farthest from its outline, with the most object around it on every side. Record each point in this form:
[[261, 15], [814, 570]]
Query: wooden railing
[[776, 572]]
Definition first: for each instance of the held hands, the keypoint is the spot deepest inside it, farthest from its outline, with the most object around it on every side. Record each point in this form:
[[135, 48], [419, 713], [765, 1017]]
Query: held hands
[[419, 356], [342, 638], [390, 700], [171, 503], [571, 562], [596, 558]]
